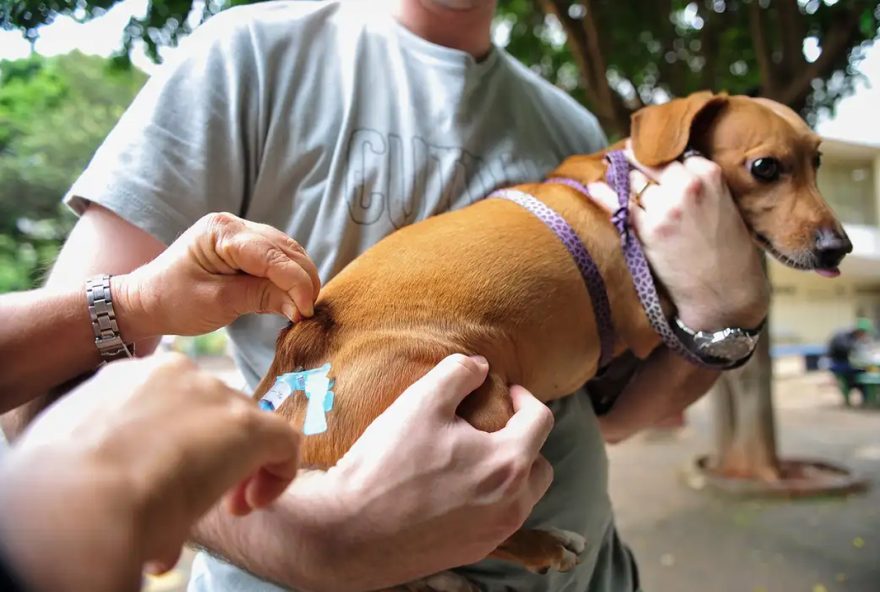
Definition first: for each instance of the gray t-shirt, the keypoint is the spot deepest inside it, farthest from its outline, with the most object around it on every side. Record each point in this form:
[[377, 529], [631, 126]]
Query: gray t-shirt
[[337, 125]]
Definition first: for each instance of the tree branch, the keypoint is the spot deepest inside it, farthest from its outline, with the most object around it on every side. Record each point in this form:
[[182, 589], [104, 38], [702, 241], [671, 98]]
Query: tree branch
[[671, 74], [709, 48], [594, 55], [836, 44], [583, 39], [763, 52], [793, 30], [577, 42]]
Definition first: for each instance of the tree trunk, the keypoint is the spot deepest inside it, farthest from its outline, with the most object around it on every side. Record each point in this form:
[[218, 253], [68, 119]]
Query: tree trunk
[[745, 430]]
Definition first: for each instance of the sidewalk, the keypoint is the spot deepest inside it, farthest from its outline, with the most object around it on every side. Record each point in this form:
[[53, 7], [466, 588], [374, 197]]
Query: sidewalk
[[687, 541]]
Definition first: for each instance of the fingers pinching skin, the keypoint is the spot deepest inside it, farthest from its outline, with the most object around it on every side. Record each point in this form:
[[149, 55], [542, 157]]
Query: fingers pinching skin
[[254, 253], [287, 250], [221, 268], [293, 250], [446, 385]]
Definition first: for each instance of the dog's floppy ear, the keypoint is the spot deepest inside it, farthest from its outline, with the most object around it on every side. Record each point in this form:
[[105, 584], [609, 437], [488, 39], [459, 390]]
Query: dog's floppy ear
[[660, 133]]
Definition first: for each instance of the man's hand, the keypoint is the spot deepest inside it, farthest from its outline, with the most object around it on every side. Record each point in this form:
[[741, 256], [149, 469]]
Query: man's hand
[[122, 467], [699, 246], [702, 252], [422, 483], [421, 486], [219, 269], [428, 483]]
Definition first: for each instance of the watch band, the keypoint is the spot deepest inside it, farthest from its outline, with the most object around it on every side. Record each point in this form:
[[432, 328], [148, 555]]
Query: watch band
[[108, 340]]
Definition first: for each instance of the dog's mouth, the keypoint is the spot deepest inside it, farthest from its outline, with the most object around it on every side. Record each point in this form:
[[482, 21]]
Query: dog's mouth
[[807, 262]]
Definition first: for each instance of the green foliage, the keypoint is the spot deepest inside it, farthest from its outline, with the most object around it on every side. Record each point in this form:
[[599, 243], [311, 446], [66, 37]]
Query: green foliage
[[54, 113], [620, 55], [164, 24], [648, 51], [209, 344]]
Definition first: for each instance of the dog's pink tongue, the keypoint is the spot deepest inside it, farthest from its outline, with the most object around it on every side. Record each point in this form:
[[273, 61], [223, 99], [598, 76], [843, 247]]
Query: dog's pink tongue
[[829, 273]]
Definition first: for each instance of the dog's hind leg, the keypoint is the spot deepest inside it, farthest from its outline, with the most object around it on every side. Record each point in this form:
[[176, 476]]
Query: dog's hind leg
[[542, 550]]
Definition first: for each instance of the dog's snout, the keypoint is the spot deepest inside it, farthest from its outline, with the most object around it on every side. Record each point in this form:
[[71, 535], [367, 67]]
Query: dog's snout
[[831, 247]]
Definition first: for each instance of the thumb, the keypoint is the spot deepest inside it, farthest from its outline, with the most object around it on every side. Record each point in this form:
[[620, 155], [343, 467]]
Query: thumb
[[251, 294], [447, 384]]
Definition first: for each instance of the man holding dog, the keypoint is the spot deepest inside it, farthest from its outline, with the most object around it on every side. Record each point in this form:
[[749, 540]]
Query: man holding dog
[[337, 124]]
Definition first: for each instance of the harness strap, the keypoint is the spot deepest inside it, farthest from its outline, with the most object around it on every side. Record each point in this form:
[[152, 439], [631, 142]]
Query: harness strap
[[589, 271], [617, 177]]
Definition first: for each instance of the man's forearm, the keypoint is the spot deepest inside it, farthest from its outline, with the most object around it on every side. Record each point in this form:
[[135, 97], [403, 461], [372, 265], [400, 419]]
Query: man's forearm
[[312, 540], [47, 341], [292, 543], [664, 385]]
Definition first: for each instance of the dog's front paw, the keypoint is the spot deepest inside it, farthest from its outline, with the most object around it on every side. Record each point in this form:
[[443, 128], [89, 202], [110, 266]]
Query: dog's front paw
[[445, 581]]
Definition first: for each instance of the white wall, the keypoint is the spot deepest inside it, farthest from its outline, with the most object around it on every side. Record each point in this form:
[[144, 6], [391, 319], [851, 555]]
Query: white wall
[[808, 308]]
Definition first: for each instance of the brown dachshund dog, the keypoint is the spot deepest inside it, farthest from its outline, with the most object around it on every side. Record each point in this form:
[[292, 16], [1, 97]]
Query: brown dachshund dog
[[398, 309]]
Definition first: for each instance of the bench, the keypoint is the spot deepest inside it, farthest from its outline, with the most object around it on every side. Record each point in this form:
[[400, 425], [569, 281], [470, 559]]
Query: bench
[[811, 353], [870, 387]]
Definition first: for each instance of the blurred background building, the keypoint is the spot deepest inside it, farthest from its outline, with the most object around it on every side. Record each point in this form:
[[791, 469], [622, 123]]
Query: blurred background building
[[807, 308]]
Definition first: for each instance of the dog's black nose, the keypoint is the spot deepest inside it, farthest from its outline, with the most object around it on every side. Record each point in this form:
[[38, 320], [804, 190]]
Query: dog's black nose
[[831, 247]]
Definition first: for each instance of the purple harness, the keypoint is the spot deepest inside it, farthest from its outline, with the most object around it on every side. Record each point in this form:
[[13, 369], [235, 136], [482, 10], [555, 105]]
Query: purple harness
[[580, 254], [618, 178]]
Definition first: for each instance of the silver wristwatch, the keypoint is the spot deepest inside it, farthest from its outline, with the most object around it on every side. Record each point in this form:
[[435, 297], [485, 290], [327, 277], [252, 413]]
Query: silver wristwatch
[[728, 348], [108, 340]]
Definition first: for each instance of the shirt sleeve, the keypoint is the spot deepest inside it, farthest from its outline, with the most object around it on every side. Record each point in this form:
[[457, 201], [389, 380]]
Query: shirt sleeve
[[189, 143]]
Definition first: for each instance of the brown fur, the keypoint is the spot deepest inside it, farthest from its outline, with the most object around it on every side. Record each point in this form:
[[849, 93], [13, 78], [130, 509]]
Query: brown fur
[[492, 279]]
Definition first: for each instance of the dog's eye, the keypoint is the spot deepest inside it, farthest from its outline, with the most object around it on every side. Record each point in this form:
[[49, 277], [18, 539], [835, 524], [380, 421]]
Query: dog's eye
[[766, 169]]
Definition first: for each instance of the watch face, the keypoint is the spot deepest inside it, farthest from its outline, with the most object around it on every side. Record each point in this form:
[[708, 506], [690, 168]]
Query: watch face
[[728, 345], [731, 344]]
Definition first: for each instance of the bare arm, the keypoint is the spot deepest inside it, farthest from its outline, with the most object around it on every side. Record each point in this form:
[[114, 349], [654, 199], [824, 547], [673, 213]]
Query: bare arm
[[663, 386], [52, 323], [296, 542], [701, 250], [219, 269]]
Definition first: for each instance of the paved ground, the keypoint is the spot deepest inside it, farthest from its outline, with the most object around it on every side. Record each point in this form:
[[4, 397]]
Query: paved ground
[[694, 541]]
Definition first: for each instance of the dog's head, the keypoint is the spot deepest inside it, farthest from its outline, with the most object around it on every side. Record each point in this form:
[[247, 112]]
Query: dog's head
[[769, 158]]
